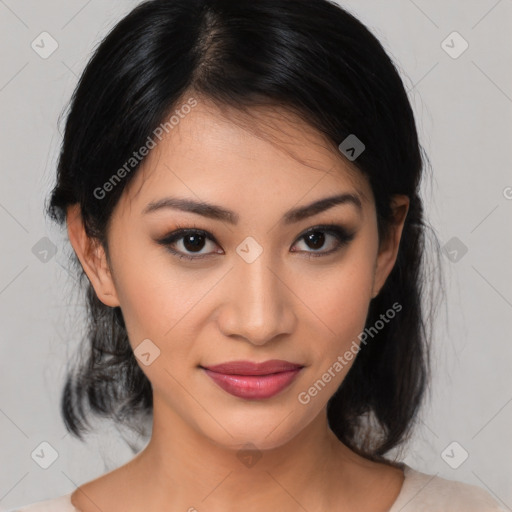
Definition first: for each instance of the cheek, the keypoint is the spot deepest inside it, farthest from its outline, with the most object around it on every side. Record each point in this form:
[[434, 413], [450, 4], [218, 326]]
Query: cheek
[[343, 292], [155, 306], [160, 300], [340, 301], [148, 290]]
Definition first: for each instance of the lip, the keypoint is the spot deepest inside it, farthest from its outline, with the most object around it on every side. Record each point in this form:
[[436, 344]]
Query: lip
[[250, 380]]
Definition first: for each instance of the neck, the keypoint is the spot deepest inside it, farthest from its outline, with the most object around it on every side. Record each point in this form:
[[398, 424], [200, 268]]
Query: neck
[[190, 471]]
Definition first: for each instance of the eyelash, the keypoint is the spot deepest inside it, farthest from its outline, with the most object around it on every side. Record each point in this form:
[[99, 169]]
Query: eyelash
[[341, 234]]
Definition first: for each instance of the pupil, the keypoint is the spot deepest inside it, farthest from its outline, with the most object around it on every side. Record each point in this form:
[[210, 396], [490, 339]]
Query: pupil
[[317, 239], [195, 244]]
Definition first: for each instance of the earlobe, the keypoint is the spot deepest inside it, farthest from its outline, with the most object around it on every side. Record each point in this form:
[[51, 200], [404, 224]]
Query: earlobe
[[92, 258], [388, 249]]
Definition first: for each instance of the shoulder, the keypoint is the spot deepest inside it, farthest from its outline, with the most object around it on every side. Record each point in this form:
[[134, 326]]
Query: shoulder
[[60, 504], [422, 492]]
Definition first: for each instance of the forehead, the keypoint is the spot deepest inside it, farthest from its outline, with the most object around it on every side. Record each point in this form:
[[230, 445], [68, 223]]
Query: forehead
[[244, 159]]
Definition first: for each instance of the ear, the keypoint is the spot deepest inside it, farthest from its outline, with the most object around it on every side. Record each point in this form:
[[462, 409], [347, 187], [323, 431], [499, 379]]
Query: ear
[[92, 257], [388, 248]]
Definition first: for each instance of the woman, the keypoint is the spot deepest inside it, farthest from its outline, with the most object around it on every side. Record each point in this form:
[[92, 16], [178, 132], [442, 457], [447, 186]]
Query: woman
[[240, 184]]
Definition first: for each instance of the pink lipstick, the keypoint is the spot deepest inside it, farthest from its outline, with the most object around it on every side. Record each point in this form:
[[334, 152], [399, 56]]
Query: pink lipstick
[[249, 380]]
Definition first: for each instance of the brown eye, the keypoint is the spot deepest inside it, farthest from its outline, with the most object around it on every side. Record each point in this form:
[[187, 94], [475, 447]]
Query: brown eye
[[315, 240], [319, 236], [184, 241], [193, 242], [188, 243]]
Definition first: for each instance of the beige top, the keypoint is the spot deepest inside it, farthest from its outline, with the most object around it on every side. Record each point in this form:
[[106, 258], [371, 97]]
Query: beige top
[[420, 493]]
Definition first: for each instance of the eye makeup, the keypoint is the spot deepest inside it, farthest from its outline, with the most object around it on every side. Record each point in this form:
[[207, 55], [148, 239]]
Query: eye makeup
[[193, 237]]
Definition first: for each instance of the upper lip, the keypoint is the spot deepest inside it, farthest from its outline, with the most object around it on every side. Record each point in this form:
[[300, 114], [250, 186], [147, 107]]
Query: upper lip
[[252, 368]]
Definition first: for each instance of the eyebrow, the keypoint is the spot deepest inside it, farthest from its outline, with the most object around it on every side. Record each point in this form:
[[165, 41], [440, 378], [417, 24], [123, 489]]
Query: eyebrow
[[218, 213]]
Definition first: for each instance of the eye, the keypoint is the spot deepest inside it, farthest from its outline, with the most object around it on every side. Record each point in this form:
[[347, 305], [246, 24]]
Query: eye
[[189, 243], [315, 238]]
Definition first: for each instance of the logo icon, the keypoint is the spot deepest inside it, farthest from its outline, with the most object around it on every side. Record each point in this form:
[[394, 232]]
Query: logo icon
[[455, 249], [44, 250], [352, 147], [44, 455], [146, 352], [44, 45], [454, 455], [454, 45], [249, 250], [249, 455]]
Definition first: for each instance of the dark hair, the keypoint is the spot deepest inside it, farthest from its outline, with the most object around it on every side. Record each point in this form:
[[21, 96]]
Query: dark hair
[[311, 58]]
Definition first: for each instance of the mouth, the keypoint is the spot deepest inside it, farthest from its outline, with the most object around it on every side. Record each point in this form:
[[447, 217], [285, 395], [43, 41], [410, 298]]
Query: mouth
[[249, 380]]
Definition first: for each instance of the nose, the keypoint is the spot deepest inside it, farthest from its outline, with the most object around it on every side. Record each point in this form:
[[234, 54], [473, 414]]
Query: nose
[[259, 307]]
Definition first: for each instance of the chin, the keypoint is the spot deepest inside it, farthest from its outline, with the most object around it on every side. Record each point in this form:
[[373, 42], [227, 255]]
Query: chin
[[263, 429]]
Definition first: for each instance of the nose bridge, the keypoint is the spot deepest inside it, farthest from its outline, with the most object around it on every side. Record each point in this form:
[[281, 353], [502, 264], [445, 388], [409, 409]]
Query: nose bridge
[[258, 306]]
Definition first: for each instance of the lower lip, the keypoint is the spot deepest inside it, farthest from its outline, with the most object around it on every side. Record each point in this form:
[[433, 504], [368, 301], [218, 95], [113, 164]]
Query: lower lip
[[253, 386]]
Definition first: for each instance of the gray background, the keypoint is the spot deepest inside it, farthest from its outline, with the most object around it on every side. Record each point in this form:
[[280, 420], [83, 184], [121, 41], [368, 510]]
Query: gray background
[[463, 107]]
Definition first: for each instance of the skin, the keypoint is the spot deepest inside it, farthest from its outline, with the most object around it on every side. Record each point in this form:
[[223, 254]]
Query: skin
[[283, 305]]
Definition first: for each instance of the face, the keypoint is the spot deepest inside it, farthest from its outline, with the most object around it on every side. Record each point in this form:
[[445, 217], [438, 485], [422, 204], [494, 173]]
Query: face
[[272, 272]]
